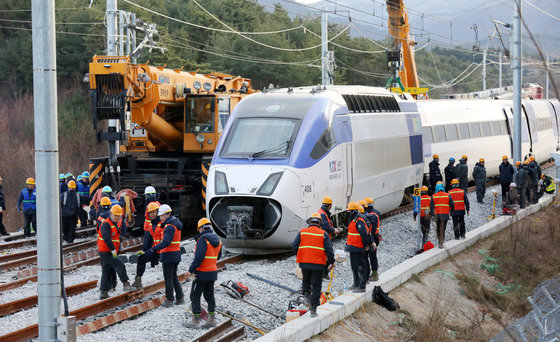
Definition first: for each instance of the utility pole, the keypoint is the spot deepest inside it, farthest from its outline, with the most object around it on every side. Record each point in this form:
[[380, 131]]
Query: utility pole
[[112, 32], [46, 167], [500, 68], [484, 70], [547, 76], [516, 66], [326, 56]]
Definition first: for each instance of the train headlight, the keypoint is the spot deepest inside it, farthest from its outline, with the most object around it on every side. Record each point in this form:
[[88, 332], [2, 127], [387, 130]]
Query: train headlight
[[200, 138], [270, 184], [220, 181]]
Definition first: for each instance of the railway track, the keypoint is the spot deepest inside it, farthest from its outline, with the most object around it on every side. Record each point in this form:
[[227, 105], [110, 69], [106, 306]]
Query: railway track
[[11, 244], [223, 332], [112, 303]]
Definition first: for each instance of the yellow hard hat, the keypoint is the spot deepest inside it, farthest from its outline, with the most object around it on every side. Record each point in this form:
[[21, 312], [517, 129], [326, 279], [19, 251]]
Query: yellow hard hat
[[531, 158], [526, 162], [435, 156], [116, 210], [481, 160], [517, 163], [352, 206], [361, 209], [439, 182], [424, 188], [504, 157], [542, 176], [153, 206], [30, 181], [105, 201], [327, 200], [202, 222], [454, 181], [0, 178], [464, 157], [72, 184], [362, 203], [368, 200]]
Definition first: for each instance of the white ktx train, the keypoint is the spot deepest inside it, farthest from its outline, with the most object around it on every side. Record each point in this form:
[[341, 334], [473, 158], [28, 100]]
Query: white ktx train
[[283, 150]]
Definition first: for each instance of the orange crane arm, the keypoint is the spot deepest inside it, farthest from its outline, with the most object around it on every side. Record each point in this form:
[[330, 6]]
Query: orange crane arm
[[398, 29]]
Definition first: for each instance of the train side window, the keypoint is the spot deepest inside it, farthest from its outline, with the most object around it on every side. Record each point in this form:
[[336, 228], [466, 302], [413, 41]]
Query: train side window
[[451, 132], [439, 133], [475, 129], [427, 134], [326, 141], [503, 127], [496, 128], [485, 126], [223, 112], [463, 131]]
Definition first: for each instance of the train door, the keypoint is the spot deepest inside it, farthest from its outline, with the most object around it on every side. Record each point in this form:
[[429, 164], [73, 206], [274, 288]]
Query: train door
[[531, 119], [348, 170], [526, 145]]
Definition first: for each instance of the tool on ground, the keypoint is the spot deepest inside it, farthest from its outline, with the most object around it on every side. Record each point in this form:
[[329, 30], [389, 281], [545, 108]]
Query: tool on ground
[[493, 215], [327, 294], [272, 283], [236, 290], [296, 308]]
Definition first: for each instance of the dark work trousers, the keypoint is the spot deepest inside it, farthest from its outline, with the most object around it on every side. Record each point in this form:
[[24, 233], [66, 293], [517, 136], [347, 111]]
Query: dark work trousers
[[143, 260], [28, 220], [172, 282], [425, 227], [505, 191], [372, 254], [83, 217], [2, 228], [311, 284], [357, 260], [535, 193], [480, 190], [522, 197], [459, 226], [205, 288], [109, 264], [441, 225], [69, 228], [367, 268]]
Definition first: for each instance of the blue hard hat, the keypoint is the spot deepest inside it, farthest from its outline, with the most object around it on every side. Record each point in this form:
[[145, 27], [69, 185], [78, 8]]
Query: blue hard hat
[[61, 176], [69, 175], [106, 188], [85, 174], [440, 187], [452, 159], [79, 177]]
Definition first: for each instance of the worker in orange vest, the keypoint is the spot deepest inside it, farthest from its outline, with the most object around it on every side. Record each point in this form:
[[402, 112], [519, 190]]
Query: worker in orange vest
[[460, 206], [314, 251], [204, 265], [151, 238], [440, 207], [327, 225], [108, 243], [357, 244], [425, 217]]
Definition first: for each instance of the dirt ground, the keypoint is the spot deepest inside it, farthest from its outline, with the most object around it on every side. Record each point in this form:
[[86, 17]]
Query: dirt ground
[[435, 304]]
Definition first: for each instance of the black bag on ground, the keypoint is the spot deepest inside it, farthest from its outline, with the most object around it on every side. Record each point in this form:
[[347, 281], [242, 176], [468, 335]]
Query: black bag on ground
[[381, 298]]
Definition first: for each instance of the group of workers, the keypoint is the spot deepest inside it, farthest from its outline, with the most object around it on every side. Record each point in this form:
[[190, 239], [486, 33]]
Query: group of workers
[[315, 254]]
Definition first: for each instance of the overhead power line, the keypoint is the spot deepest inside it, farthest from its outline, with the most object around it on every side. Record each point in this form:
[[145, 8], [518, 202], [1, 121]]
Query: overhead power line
[[541, 10]]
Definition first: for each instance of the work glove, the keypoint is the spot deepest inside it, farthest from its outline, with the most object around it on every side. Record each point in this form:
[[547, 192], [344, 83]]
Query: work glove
[[148, 253], [114, 252], [140, 253]]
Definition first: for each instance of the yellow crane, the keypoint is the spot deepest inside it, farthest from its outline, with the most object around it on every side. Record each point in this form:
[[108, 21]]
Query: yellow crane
[[400, 55]]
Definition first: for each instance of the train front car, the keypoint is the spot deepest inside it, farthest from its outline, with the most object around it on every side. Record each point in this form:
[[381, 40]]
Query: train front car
[[283, 150]]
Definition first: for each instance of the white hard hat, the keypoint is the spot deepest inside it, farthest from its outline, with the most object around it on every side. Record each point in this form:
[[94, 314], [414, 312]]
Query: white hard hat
[[149, 190], [164, 209], [513, 184]]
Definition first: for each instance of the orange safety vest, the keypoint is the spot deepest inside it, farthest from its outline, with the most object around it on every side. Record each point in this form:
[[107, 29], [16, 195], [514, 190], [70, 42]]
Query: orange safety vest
[[458, 197], [156, 233], [175, 244], [115, 236], [322, 212], [354, 237], [210, 262], [312, 246], [441, 202], [424, 205]]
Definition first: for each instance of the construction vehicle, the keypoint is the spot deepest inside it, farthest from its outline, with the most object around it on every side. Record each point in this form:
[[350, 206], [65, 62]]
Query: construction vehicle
[[172, 122], [400, 55]]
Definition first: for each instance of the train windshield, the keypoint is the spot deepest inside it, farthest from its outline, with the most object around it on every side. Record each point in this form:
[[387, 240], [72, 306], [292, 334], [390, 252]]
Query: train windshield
[[260, 138]]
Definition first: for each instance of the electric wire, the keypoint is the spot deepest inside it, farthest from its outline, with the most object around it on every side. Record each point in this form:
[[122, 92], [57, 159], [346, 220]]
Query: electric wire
[[541, 10], [60, 32]]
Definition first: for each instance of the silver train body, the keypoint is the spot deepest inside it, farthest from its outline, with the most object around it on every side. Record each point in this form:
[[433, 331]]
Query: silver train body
[[282, 151]]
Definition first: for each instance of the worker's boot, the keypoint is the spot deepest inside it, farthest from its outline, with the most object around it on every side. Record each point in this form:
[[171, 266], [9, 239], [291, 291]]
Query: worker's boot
[[313, 312], [127, 287], [103, 295], [193, 323], [168, 303], [211, 322], [180, 301], [137, 282], [374, 276]]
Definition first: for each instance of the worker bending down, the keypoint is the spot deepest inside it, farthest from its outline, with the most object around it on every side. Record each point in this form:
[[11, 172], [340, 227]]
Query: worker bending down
[[460, 205], [108, 243], [425, 217], [314, 251], [440, 207], [152, 236], [548, 185], [205, 266], [357, 244]]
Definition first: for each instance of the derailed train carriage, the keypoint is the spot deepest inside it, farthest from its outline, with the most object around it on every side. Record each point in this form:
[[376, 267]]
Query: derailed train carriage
[[283, 150]]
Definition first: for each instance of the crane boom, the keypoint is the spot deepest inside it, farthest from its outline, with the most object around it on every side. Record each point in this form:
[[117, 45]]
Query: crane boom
[[401, 42]]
